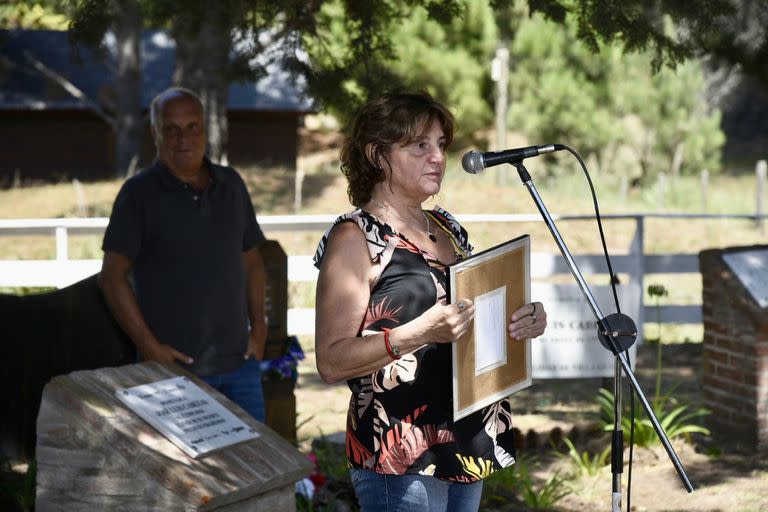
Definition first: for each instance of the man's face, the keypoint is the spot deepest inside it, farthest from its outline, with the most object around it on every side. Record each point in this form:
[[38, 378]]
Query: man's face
[[181, 140]]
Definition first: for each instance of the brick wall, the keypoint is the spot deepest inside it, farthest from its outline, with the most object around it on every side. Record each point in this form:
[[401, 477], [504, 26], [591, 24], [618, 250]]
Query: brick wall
[[735, 373]]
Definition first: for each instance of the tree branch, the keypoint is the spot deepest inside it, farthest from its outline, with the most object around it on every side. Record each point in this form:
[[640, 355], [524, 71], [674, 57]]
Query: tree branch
[[69, 87]]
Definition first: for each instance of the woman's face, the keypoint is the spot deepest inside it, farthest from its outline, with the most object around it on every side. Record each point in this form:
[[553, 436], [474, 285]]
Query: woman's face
[[418, 167]]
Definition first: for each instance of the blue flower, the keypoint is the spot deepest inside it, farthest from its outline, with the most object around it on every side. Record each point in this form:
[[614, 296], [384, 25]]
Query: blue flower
[[285, 366]]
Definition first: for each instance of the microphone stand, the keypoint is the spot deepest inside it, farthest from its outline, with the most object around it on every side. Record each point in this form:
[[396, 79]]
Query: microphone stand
[[617, 333]]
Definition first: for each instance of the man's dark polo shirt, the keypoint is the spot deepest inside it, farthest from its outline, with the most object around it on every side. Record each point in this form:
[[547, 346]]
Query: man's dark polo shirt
[[186, 247]]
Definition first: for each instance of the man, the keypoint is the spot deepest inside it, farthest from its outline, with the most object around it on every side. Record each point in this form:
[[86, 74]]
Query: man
[[186, 229]]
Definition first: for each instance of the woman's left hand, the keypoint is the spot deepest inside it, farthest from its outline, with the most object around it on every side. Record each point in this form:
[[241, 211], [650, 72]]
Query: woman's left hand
[[528, 322]]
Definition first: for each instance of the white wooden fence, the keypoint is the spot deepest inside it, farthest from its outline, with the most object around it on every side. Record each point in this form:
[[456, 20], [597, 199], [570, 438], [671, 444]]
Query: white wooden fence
[[63, 271]]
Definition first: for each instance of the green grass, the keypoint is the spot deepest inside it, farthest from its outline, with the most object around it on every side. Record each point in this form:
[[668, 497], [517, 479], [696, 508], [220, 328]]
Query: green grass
[[585, 463]]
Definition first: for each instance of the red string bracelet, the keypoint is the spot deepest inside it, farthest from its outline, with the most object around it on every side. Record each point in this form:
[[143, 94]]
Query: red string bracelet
[[392, 350]]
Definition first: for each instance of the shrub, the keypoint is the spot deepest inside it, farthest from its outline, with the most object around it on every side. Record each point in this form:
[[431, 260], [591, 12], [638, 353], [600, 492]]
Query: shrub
[[675, 419], [584, 462], [503, 486]]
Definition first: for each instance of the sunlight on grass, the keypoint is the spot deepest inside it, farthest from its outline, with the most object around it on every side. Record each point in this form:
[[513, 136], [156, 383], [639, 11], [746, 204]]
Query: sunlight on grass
[[301, 295], [60, 200]]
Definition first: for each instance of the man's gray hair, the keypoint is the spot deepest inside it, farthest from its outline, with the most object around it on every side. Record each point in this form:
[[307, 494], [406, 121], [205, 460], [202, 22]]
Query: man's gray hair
[[171, 93]]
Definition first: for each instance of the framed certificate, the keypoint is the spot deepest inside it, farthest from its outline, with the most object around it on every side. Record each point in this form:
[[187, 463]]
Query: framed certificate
[[488, 365]]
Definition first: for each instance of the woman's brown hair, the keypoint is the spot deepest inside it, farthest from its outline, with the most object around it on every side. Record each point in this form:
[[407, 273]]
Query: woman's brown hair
[[393, 118]]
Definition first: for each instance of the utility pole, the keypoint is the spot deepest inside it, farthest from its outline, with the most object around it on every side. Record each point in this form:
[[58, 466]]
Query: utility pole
[[500, 75]]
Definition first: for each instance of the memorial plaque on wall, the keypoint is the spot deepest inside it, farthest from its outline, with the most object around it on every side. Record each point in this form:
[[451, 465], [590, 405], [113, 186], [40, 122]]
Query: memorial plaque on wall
[[751, 267], [185, 414], [569, 348]]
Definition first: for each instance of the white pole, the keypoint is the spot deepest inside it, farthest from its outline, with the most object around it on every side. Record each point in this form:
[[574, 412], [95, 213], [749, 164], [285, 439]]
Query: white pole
[[297, 188], [623, 190], [500, 75], [760, 170], [704, 189], [662, 184], [82, 206]]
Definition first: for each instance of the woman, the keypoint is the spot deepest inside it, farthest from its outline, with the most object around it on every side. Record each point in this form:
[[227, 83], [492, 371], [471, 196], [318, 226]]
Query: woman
[[384, 326]]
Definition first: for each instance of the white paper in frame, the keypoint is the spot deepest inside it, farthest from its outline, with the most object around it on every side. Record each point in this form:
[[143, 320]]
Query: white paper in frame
[[488, 365]]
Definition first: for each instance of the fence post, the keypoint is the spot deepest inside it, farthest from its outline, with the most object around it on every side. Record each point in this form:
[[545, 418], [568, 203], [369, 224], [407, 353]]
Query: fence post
[[704, 189], [760, 171], [638, 250], [297, 189], [62, 244]]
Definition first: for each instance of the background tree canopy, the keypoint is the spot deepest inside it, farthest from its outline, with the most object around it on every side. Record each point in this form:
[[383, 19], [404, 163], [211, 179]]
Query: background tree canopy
[[600, 100], [580, 69], [447, 58], [608, 104]]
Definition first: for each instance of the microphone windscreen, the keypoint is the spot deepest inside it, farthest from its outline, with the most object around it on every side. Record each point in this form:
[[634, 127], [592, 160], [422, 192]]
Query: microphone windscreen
[[472, 162]]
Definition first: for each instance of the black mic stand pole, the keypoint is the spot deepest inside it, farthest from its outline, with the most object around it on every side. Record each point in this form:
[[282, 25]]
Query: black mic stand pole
[[617, 337]]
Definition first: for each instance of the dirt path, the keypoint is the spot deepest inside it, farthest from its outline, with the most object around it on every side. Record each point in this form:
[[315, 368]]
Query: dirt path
[[726, 476], [730, 482]]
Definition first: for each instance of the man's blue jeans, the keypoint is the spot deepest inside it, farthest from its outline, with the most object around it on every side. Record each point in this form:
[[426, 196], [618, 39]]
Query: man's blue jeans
[[242, 386], [413, 493]]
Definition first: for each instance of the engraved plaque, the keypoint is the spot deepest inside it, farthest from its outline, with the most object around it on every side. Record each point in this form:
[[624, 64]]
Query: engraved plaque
[[751, 267], [185, 414]]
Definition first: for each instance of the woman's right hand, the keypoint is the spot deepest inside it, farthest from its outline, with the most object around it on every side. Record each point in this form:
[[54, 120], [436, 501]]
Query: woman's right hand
[[445, 323]]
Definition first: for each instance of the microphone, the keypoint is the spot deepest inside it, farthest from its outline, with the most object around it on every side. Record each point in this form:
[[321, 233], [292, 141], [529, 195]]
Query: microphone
[[474, 161]]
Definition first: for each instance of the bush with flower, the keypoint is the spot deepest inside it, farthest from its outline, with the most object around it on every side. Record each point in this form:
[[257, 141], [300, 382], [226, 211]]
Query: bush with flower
[[286, 366]]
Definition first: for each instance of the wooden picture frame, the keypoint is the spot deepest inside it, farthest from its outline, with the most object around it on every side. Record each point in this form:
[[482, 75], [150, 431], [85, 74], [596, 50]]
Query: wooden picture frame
[[488, 364]]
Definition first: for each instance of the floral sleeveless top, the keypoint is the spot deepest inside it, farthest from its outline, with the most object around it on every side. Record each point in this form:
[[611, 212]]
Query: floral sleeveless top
[[400, 418]]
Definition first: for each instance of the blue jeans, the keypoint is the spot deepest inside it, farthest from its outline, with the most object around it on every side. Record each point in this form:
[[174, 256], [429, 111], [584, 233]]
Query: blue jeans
[[242, 386], [413, 493]]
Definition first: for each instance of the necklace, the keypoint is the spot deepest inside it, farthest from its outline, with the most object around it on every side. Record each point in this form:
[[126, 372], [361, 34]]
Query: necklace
[[426, 219]]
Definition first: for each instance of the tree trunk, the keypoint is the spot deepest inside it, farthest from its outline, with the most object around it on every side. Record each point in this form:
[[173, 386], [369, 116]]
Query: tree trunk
[[129, 126], [202, 64]]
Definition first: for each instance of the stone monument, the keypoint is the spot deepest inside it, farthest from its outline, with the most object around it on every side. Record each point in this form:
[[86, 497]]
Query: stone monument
[[94, 453]]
